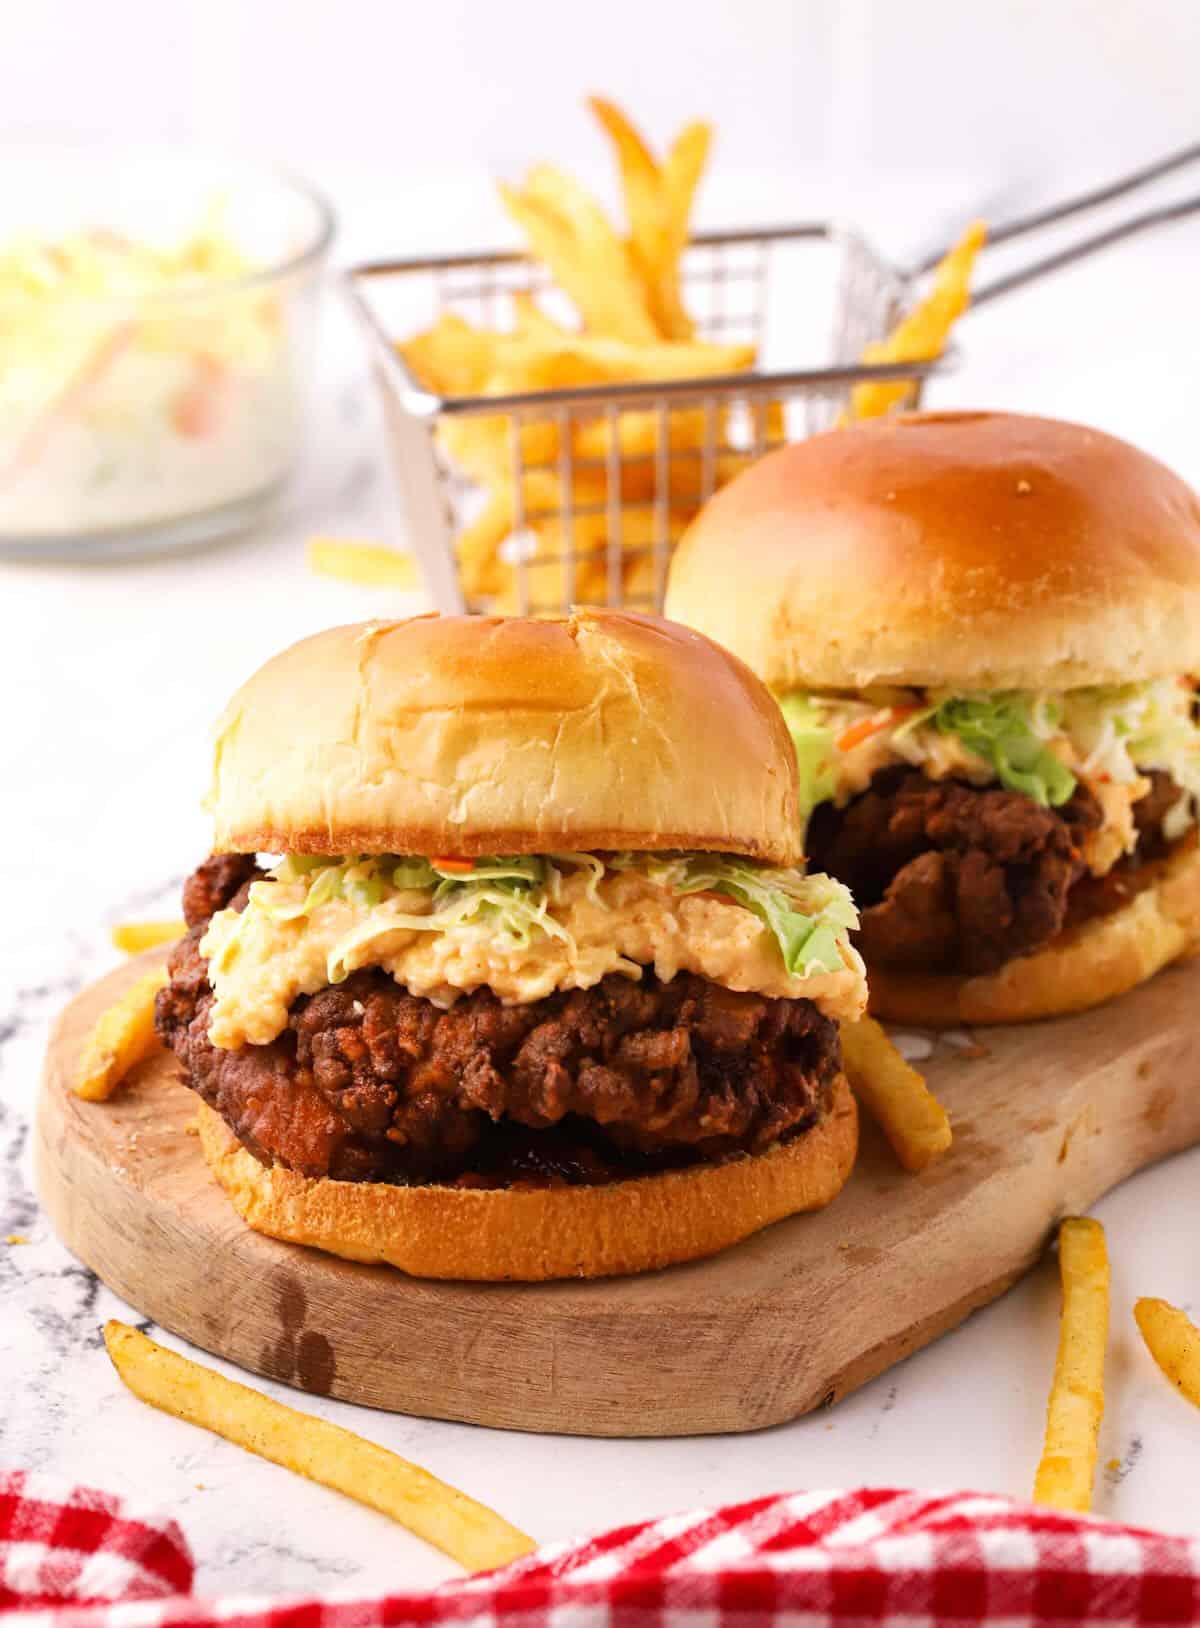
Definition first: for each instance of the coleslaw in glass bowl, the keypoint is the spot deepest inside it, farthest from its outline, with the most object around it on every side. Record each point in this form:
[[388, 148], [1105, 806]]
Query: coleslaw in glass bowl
[[156, 326]]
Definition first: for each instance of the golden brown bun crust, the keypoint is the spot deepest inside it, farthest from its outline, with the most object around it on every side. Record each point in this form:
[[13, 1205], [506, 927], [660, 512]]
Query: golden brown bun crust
[[480, 735], [541, 1233], [969, 551], [1085, 967]]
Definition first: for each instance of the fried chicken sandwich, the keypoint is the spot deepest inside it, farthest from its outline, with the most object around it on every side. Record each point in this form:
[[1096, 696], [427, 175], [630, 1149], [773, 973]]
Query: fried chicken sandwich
[[503, 968], [984, 631]]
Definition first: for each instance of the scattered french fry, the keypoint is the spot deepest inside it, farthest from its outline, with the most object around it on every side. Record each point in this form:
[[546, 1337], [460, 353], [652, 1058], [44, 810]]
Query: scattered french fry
[[921, 336], [368, 563], [121, 1039], [1173, 1340], [470, 1533], [895, 1095], [135, 936], [1076, 1407]]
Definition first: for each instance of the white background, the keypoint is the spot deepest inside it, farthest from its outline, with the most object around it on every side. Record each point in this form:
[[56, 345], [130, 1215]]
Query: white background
[[909, 116], [814, 99]]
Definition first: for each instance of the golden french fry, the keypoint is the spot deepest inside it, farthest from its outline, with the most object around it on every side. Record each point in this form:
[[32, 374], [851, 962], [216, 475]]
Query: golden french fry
[[470, 1533], [597, 359], [771, 422], [478, 544], [637, 436], [135, 936], [641, 179], [681, 177], [644, 578], [658, 201], [1076, 1407], [482, 570], [484, 448], [895, 1095], [570, 233], [368, 563], [549, 584], [455, 358], [452, 358], [1173, 1340], [532, 323], [480, 447], [550, 588], [640, 582], [921, 335], [643, 189], [122, 1037]]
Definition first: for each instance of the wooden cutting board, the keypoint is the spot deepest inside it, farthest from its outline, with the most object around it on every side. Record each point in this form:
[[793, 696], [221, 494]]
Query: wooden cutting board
[[1048, 1119]]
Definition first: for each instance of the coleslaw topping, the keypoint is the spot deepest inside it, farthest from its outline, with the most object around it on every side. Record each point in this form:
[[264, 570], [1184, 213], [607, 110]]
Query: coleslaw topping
[[1039, 743], [526, 926]]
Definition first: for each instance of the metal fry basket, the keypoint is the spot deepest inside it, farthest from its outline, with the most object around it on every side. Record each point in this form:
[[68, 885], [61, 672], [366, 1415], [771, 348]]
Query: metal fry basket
[[587, 490]]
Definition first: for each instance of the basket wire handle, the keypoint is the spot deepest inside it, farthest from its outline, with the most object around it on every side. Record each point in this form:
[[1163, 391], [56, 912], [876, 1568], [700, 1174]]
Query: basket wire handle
[[1079, 205]]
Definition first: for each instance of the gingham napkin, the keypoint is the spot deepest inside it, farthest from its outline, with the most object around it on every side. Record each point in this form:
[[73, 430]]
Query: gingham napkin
[[72, 1556]]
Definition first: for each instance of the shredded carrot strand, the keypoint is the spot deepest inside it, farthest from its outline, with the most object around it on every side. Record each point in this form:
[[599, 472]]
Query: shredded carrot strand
[[862, 731]]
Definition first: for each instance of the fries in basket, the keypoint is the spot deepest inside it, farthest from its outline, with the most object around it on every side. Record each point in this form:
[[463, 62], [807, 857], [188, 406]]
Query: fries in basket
[[921, 335], [588, 506], [636, 475]]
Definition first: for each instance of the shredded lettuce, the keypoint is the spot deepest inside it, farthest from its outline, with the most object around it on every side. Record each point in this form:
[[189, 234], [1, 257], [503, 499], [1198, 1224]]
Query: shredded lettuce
[[808, 916], [808, 920], [1121, 730], [512, 898], [1039, 743], [815, 752], [999, 730], [413, 873], [510, 915]]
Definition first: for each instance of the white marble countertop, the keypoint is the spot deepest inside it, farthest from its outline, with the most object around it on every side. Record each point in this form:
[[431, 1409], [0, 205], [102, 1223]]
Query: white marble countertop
[[112, 675]]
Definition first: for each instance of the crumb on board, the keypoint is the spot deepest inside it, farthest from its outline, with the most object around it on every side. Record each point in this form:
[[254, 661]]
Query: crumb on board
[[16, 1238], [1113, 1464], [914, 1048], [965, 1044]]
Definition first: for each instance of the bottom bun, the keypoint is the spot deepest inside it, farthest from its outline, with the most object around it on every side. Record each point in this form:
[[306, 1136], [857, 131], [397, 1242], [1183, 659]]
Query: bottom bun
[[1084, 967], [527, 1236]]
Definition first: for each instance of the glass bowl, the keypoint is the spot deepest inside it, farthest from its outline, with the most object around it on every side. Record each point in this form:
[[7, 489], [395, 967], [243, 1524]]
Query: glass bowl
[[157, 318]]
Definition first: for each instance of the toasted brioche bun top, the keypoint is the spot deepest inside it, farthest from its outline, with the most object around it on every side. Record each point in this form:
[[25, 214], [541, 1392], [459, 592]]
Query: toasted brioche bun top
[[970, 551], [477, 735]]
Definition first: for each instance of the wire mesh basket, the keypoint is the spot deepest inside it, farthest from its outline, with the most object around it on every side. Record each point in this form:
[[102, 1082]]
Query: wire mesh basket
[[589, 488]]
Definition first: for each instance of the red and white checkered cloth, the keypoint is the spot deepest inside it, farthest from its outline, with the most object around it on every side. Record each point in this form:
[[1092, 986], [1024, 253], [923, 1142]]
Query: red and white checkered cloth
[[69, 1555]]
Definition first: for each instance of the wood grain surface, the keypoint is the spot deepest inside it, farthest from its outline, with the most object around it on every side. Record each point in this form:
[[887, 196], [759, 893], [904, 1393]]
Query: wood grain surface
[[1046, 1120]]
